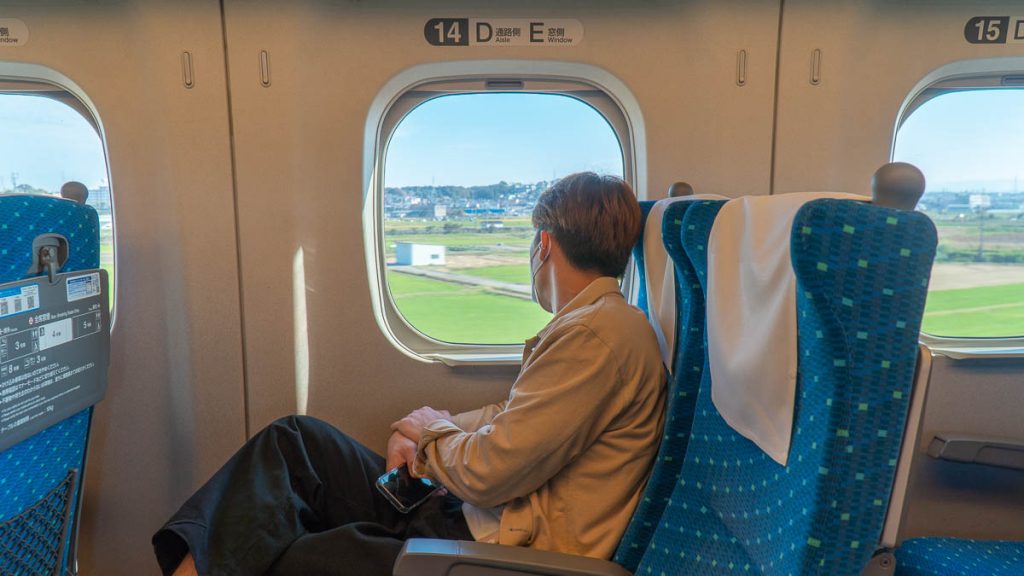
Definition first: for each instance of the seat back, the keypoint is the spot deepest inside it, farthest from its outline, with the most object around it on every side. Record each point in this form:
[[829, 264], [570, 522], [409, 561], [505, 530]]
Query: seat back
[[37, 486], [862, 274], [638, 257], [687, 365]]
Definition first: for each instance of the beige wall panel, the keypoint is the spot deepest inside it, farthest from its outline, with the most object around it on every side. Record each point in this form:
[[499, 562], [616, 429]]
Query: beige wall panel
[[174, 407], [833, 136], [299, 146]]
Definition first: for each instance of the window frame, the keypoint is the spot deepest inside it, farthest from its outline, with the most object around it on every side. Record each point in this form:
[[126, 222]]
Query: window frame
[[40, 82], [590, 85], [964, 76]]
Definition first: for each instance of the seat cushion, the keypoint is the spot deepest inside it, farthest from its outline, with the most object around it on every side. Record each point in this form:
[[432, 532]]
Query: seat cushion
[[955, 557], [684, 382]]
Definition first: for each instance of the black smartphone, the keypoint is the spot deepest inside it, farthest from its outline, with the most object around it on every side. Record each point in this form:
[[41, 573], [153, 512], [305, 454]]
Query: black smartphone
[[403, 490]]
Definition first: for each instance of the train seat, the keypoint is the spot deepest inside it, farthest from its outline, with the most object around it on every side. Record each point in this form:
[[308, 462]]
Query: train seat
[[861, 284], [638, 256], [687, 365], [41, 476], [959, 557]]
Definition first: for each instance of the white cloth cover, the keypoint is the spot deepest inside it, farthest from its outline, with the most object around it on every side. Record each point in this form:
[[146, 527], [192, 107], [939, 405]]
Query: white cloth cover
[[751, 317], [660, 273], [484, 523]]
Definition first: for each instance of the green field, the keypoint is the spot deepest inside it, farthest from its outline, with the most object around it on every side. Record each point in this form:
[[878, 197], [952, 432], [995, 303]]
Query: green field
[[504, 244], [514, 238], [457, 313], [999, 240], [986, 311], [464, 314], [512, 273], [107, 263]]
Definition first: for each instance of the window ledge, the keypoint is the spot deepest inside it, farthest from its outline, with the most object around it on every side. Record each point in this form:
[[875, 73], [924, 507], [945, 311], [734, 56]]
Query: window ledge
[[456, 359], [968, 348]]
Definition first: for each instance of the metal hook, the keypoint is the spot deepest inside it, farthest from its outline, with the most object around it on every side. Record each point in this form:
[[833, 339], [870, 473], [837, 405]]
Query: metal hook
[[48, 259]]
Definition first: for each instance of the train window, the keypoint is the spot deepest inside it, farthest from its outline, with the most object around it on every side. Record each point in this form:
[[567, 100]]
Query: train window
[[50, 139], [969, 143], [462, 171]]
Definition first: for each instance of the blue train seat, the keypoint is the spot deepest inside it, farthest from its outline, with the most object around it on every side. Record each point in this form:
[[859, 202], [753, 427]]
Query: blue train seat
[[638, 256], [41, 477], [687, 365], [959, 557], [862, 275]]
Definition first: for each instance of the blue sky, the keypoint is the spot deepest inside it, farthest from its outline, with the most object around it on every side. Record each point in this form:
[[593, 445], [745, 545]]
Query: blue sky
[[47, 143], [970, 140], [461, 140], [967, 141]]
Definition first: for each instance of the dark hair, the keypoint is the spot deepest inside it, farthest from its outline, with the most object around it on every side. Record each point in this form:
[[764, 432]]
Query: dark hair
[[595, 220]]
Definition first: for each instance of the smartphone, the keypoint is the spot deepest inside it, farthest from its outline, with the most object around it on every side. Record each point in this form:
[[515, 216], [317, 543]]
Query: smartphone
[[403, 490]]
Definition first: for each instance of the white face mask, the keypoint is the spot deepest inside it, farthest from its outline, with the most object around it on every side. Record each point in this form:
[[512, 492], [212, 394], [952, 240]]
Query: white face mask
[[534, 269]]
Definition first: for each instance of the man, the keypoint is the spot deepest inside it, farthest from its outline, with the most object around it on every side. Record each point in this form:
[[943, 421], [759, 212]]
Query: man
[[559, 465]]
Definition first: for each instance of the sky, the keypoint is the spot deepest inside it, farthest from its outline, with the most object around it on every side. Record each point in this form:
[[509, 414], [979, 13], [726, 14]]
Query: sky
[[46, 143], [967, 141], [472, 139], [961, 141]]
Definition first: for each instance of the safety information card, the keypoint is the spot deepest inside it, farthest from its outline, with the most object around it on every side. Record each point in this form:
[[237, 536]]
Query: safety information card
[[54, 350]]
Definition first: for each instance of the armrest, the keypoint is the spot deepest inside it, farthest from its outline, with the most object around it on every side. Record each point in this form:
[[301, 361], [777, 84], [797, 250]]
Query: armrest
[[426, 557], [978, 450]]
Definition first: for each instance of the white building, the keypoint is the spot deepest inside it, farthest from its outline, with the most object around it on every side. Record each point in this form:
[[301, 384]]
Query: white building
[[409, 254]]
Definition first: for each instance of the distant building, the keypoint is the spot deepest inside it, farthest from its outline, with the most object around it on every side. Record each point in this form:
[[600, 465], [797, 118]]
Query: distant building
[[100, 199], [410, 254], [979, 201], [491, 224]]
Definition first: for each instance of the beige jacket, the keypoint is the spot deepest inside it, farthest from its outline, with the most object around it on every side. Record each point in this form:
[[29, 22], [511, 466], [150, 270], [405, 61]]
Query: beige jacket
[[569, 452]]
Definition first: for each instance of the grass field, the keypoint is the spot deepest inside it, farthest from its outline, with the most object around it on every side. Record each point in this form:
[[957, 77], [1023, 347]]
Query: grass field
[[401, 225], [978, 304], [107, 263], [985, 311], [464, 314], [512, 273], [457, 313], [509, 243]]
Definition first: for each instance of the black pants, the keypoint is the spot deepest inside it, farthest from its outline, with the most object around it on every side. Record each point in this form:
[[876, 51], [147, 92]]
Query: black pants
[[299, 498]]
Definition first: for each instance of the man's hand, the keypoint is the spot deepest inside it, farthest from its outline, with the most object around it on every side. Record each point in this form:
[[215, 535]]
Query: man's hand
[[401, 450], [412, 425]]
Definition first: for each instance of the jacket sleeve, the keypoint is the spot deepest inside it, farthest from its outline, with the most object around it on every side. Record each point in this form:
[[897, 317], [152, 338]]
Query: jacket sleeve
[[472, 421], [561, 402]]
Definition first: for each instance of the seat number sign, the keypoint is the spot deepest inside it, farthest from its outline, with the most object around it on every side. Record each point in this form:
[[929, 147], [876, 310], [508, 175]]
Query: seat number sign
[[54, 351], [994, 30], [503, 32]]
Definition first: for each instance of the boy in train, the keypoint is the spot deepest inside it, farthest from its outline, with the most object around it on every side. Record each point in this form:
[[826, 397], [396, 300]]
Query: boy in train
[[560, 465]]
